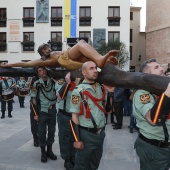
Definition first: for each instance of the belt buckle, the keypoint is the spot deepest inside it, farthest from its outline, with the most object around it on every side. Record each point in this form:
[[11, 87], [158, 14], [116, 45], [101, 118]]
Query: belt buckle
[[99, 131], [163, 144], [50, 107], [160, 143]]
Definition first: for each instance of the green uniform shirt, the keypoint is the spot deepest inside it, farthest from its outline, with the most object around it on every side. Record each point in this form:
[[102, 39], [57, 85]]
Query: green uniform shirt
[[32, 94], [9, 81], [21, 83], [98, 115], [66, 100], [51, 94], [60, 103], [143, 101]]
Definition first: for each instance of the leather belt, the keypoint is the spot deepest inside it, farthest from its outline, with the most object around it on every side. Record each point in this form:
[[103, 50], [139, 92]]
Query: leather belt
[[158, 143], [64, 112], [50, 107], [93, 130]]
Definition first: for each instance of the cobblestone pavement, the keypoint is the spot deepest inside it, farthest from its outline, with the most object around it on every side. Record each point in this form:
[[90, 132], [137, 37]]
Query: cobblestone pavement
[[18, 153]]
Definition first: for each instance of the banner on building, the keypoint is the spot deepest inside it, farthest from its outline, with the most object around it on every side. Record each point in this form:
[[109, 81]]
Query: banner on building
[[42, 11], [14, 30], [70, 18], [99, 37]]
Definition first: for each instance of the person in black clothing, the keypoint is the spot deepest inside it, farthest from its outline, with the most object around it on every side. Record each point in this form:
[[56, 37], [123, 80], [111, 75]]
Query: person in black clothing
[[167, 72], [110, 107], [118, 106], [127, 93]]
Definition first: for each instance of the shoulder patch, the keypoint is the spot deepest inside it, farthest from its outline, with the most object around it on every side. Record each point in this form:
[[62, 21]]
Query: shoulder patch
[[145, 98], [75, 99], [60, 81]]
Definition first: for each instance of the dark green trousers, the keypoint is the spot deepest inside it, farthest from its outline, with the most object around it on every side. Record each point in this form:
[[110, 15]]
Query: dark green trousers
[[21, 99], [47, 121], [152, 157], [89, 157], [33, 122], [3, 105], [65, 136]]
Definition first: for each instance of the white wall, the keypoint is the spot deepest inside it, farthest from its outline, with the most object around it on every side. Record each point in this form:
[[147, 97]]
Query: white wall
[[140, 3], [99, 9]]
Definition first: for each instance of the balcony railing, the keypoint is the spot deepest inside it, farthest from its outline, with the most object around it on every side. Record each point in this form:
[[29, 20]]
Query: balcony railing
[[28, 21], [3, 46], [56, 21], [28, 45], [56, 45], [3, 22], [114, 21], [85, 21]]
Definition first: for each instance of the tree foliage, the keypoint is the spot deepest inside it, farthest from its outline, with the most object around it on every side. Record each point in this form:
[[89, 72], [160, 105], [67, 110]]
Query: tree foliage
[[123, 55]]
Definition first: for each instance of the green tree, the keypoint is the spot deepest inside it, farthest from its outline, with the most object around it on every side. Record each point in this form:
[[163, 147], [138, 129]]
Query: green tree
[[123, 55]]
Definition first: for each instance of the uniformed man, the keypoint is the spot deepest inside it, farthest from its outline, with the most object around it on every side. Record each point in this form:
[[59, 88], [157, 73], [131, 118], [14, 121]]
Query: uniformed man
[[45, 98], [67, 150], [21, 83], [88, 119], [33, 113], [8, 84], [151, 113]]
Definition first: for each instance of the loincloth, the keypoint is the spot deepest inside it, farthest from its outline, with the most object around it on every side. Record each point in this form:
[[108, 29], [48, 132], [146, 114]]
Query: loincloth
[[67, 63]]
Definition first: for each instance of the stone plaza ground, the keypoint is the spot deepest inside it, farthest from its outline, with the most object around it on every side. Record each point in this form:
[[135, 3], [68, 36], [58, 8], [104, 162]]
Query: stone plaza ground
[[18, 153]]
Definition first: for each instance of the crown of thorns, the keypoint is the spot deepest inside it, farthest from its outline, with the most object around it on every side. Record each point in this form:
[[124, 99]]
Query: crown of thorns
[[42, 47]]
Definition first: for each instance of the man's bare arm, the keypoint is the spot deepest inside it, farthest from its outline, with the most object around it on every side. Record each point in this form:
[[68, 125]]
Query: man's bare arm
[[32, 63], [75, 118], [148, 118], [161, 108], [77, 144]]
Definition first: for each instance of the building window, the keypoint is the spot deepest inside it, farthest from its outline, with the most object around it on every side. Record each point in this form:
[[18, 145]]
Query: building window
[[131, 35], [56, 16], [28, 17], [113, 36], [56, 41], [130, 52], [84, 34], [131, 15], [28, 41], [85, 16], [114, 16], [3, 17], [3, 44]]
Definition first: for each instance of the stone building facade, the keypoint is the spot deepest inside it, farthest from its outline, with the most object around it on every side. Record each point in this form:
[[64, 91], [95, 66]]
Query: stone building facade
[[158, 31], [137, 39], [57, 20]]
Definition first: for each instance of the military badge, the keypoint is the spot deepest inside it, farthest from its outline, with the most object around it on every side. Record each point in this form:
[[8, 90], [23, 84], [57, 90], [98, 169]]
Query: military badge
[[145, 98], [75, 99], [60, 81]]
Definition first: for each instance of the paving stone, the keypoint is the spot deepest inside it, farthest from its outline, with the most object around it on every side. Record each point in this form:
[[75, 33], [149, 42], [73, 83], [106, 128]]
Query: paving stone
[[18, 153]]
